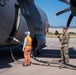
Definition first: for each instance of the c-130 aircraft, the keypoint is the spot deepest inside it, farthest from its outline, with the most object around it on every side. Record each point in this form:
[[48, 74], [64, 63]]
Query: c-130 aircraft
[[18, 16]]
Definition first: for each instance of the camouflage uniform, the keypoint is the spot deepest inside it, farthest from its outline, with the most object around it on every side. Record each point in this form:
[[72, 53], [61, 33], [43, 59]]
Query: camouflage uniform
[[64, 48]]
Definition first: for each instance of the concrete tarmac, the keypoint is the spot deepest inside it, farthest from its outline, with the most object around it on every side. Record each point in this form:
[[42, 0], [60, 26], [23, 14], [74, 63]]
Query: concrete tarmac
[[50, 53]]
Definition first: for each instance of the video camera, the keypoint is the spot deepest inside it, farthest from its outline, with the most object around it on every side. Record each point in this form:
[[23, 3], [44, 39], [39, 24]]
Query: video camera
[[57, 34]]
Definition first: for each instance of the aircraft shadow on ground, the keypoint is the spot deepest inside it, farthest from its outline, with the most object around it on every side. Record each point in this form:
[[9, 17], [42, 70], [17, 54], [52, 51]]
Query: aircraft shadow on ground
[[52, 53], [5, 62], [5, 57]]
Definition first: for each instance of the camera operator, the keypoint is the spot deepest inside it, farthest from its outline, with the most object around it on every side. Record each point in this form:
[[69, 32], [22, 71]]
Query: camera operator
[[64, 40]]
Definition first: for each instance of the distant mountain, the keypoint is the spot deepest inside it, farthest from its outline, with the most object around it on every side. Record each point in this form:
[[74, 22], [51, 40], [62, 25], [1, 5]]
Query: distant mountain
[[62, 26]]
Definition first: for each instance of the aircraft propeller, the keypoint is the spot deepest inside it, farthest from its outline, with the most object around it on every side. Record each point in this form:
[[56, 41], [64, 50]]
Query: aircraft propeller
[[72, 4]]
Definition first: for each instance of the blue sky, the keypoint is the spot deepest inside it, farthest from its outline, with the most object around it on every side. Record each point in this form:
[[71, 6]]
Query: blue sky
[[51, 7]]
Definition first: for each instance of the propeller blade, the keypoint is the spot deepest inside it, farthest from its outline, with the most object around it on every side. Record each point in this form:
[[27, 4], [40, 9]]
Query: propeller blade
[[69, 20], [65, 1], [62, 11], [31, 1]]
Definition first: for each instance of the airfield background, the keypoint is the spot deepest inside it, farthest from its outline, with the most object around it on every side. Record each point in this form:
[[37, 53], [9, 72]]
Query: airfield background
[[71, 31]]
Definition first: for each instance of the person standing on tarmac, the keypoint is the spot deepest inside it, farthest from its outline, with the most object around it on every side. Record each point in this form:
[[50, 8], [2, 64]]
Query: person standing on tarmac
[[64, 40], [27, 47]]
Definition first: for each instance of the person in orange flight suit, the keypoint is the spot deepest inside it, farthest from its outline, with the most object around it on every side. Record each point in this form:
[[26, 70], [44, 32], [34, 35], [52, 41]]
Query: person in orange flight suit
[[27, 47]]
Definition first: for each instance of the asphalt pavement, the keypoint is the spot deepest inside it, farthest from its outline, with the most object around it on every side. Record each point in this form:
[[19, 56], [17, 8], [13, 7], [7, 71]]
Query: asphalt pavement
[[47, 63]]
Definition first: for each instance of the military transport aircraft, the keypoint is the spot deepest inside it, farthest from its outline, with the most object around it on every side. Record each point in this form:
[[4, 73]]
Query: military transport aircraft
[[72, 8], [18, 16]]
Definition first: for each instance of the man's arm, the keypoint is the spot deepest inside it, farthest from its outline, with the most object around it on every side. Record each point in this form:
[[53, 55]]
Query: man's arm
[[25, 42]]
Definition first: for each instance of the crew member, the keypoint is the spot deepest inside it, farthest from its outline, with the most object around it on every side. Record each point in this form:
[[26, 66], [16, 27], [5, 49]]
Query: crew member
[[64, 40], [27, 47]]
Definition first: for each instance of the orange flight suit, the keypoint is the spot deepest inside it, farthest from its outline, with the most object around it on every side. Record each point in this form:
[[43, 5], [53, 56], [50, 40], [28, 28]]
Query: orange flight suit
[[27, 51]]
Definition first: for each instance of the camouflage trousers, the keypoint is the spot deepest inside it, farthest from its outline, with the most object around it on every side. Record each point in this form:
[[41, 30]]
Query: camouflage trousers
[[65, 54]]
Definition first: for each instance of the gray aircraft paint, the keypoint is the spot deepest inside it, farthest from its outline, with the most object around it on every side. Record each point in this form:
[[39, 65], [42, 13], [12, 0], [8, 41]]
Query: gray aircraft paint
[[18, 17]]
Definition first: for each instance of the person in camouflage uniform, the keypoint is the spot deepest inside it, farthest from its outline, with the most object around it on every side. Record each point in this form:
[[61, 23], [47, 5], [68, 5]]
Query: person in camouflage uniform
[[64, 40]]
